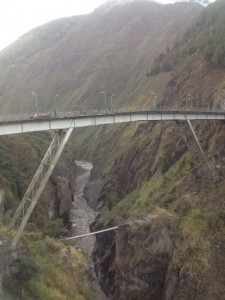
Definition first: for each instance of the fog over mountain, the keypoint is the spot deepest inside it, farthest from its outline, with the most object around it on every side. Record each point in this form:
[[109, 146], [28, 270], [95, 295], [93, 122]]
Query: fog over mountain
[[111, 49], [203, 2], [117, 2]]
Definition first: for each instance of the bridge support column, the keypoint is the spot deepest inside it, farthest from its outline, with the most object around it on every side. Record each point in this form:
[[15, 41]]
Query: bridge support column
[[196, 150], [37, 184]]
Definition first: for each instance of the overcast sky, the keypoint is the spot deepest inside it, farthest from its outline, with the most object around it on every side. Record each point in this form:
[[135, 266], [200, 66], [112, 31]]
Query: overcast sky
[[19, 16]]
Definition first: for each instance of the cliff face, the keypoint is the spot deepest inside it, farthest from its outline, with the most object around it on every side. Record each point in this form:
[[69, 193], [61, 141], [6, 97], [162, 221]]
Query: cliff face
[[64, 196], [17, 169], [142, 276], [135, 259], [156, 177], [171, 256]]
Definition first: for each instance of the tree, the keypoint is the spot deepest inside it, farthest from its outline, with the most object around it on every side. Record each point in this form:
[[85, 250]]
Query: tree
[[55, 228], [24, 269]]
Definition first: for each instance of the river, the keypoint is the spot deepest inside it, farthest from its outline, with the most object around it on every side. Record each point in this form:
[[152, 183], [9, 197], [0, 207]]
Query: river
[[81, 215]]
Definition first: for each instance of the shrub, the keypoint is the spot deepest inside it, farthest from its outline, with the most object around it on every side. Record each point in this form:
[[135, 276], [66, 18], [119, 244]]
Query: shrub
[[55, 228], [23, 270], [166, 163], [213, 44]]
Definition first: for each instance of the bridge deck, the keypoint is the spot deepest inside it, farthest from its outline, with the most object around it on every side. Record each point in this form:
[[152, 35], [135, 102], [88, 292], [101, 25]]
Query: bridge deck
[[41, 122]]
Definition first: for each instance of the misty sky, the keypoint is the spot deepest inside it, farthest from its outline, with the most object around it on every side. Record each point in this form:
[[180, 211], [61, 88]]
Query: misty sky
[[19, 16]]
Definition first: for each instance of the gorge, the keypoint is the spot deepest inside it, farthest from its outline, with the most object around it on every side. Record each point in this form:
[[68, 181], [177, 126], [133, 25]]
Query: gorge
[[144, 173]]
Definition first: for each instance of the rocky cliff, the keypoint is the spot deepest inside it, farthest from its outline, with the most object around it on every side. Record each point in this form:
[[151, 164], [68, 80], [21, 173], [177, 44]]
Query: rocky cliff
[[156, 176], [136, 258], [171, 256], [62, 203]]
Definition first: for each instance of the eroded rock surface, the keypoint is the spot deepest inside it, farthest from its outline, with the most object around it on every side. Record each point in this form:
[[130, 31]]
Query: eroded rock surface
[[132, 262], [81, 215]]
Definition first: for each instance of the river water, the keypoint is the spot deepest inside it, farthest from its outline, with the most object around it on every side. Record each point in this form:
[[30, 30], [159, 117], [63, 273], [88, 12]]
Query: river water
[[81, 215]]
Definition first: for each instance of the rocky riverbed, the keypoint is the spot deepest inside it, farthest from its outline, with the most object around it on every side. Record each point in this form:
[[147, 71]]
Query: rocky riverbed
[[81, 215]]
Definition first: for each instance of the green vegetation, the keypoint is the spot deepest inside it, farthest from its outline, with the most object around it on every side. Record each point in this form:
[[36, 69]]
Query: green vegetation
[[213, 44], [166, 163], [158, 191], [208, 34], [164, 62], [167, 62], [8, 168], [195, 242], [24, 269], [53, 271], [18, 165], [55, 228], [50, 270]]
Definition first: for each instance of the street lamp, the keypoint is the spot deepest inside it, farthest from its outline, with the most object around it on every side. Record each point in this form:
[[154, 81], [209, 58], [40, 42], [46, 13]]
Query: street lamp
[[222, 102], [55, 101], [104, 93], [112, 100], [190, 100], [154, 102], [154, 99], [35, 99]]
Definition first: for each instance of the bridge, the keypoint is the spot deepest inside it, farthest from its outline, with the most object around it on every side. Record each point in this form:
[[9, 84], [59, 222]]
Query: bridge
[[47, 121], [64, 123]]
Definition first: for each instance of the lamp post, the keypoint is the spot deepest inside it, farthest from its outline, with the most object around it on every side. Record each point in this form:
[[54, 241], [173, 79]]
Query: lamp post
[[190, 100], [104, 93], [55, 101], [154, 102], [154, 99], [35, 99], [111, 103], [222, 103]]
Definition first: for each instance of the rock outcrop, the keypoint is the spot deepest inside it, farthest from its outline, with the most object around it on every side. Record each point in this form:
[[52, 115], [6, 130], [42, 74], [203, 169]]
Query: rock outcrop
[[133, 261], [65, 188]]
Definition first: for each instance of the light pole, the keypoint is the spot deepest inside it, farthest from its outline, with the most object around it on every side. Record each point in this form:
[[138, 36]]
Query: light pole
[[35, 99], [104, 93], [111, 103], [154, 102], [154, 99], [190, 100], [222, 103], [55, 100]]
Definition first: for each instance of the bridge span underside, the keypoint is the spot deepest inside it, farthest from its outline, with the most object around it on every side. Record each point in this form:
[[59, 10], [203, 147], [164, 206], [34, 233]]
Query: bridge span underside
[[67, 121]]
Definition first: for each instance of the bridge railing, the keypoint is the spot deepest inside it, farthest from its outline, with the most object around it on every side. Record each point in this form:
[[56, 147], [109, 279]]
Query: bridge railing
[[80, 113]]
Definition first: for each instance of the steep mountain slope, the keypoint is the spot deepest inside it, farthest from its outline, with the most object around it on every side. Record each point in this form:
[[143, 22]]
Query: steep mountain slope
[[175, 236], [108, 51]]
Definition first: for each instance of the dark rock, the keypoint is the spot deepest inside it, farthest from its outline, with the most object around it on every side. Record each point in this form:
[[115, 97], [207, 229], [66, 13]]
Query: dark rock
[[132, 263]]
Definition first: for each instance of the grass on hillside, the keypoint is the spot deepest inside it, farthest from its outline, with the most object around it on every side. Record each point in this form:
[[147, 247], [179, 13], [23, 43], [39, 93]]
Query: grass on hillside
[[62, 272], [154, 192]]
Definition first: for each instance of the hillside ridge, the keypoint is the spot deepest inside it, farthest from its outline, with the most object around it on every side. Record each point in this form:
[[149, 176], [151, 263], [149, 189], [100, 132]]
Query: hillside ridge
[[113, 56]]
